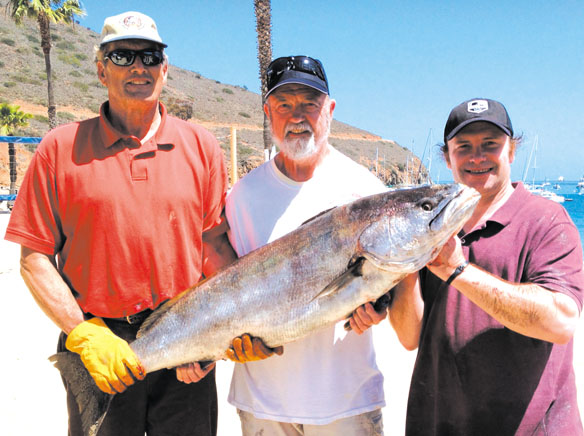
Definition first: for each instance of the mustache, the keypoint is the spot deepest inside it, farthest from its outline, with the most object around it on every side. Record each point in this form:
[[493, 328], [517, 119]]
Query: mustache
[[298, 127]]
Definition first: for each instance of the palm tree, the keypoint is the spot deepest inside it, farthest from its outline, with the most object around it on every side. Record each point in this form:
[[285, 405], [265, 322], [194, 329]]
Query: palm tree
[[45, 11], [263, 13], [10, 119]]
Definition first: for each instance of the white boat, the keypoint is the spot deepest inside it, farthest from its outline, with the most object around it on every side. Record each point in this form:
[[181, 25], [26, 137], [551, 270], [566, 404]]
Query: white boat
[[580, 186], [539, 190]]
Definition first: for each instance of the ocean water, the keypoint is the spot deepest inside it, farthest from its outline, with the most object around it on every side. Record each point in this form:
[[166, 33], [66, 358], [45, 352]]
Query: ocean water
[[574, 204]]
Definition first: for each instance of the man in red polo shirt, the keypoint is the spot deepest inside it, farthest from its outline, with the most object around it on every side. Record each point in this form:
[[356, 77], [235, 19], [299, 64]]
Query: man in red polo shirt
[[117, 214], [500, 303]]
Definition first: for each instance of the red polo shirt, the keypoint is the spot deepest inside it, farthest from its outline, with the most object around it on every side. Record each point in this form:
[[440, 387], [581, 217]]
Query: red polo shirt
[[124, 219]]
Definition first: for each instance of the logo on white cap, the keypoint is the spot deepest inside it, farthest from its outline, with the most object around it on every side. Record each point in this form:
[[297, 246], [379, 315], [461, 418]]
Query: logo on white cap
[[477, 106], [130, 21]]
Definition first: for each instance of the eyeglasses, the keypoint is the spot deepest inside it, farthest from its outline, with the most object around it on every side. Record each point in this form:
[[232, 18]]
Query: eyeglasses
[[304, 64], [125, 57]]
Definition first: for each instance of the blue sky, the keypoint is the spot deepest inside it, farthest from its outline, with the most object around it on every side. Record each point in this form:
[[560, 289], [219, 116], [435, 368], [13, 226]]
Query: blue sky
[[396, 68]]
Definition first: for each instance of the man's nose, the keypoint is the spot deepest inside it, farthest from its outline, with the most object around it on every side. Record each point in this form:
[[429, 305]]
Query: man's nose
[[138, 65], [298, 112], [477, 154]]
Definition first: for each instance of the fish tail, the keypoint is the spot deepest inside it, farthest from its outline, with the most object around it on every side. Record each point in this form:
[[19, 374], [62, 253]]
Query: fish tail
[[93, 403]]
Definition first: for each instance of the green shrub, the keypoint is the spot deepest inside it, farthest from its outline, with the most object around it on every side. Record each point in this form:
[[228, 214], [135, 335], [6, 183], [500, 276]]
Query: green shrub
[[74, 73], [227, 91], [94, 107], [66, 45], [22, 50], [244, 115], [23, 78], [41, 118], [54, 36], [68, 59], [80, 56], [33, 38], [66, 116], [43, 76], [9, 84], [81, 86], [182, 109], [8, 41], [1, 64]]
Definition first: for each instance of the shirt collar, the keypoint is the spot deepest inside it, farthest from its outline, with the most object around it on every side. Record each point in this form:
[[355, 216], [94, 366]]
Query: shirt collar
[[110, 135], [505, 213]]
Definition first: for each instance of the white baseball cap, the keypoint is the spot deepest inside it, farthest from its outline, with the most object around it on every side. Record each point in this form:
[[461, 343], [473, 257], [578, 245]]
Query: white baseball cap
[[130, 25]]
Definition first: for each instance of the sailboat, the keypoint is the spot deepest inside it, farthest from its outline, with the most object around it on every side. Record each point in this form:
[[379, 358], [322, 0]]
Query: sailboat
[[538, 189]]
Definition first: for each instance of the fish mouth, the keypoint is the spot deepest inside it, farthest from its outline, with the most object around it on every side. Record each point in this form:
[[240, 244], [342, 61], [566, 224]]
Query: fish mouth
[[462, 191]]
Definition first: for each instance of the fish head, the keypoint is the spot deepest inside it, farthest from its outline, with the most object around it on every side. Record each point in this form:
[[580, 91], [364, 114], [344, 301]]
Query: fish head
[[411, 225]]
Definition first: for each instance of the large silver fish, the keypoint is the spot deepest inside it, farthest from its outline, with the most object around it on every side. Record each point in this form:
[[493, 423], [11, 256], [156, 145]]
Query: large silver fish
[[312, 277]]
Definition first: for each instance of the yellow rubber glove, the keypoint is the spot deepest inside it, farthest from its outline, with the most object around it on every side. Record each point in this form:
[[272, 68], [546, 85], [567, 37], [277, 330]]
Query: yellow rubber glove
[[108, 358], [246, 348]]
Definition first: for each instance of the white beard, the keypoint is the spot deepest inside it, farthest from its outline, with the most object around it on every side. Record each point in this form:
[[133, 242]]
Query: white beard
[[298, 148]]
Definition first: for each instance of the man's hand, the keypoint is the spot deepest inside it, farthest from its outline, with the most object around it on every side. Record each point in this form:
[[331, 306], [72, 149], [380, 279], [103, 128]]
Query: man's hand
[[108, 358], [450, 257], [245, 348], [364, 317], [193, 372]]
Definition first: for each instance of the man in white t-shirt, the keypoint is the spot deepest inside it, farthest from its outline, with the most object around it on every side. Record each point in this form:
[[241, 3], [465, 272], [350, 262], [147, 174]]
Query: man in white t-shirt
[[327, 383]]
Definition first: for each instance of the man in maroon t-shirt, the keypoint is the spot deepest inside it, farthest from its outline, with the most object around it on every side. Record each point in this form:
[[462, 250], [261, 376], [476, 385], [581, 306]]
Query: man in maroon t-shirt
[[494, 314]]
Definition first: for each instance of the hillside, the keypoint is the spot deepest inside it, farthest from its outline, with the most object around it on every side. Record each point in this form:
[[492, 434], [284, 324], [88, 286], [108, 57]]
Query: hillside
[[205, 101]]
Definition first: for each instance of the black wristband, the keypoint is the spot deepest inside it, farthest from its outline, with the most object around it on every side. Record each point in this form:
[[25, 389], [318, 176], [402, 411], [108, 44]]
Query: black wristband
[[459, 269]]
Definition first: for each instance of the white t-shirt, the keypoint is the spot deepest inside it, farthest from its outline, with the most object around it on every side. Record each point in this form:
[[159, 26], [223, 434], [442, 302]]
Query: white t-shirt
[[330, 374]]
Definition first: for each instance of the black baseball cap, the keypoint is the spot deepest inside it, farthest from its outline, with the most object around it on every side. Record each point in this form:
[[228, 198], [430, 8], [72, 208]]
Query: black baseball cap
[[303, 70], [478, 109]]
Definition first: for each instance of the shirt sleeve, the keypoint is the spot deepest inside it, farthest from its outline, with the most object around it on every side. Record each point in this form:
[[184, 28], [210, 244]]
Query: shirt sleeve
[[556, 262], [34, 222]]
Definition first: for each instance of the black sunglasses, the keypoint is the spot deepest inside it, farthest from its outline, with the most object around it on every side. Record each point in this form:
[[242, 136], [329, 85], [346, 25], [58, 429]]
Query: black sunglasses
[[124, 57], [304, 64]]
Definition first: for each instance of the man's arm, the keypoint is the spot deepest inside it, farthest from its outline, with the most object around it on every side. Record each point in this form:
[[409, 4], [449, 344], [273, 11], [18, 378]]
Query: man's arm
[[407, 310], [108, 358], [525, 308], [217, 250], [48, 288]]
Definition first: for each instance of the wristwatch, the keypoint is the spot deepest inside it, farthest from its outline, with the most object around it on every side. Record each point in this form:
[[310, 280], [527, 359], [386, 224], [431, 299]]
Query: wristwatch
[[459, 269]]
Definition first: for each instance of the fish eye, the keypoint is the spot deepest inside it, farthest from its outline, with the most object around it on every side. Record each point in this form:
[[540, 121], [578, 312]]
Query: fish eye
[[427, 205]]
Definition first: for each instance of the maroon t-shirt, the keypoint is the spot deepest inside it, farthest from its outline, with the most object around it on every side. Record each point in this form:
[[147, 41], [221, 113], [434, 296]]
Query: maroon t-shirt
[[472, 375]]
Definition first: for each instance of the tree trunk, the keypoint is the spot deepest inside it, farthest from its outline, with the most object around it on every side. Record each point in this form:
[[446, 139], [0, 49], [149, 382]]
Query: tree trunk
[[12, 163], [45, 31], [263, 12]]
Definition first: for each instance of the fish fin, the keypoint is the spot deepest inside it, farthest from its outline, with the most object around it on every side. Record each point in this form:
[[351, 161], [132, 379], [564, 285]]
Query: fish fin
[[92, 402], [317, 215], [354, 270]]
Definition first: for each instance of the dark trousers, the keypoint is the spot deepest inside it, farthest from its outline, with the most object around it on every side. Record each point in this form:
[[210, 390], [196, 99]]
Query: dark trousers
[[159, 405]]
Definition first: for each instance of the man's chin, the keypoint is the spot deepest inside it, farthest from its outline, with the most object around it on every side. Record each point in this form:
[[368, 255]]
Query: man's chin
[[298, 149]]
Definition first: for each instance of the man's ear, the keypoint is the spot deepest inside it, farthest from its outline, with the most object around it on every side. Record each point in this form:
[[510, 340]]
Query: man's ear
[[101, 73], [333, 104]]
